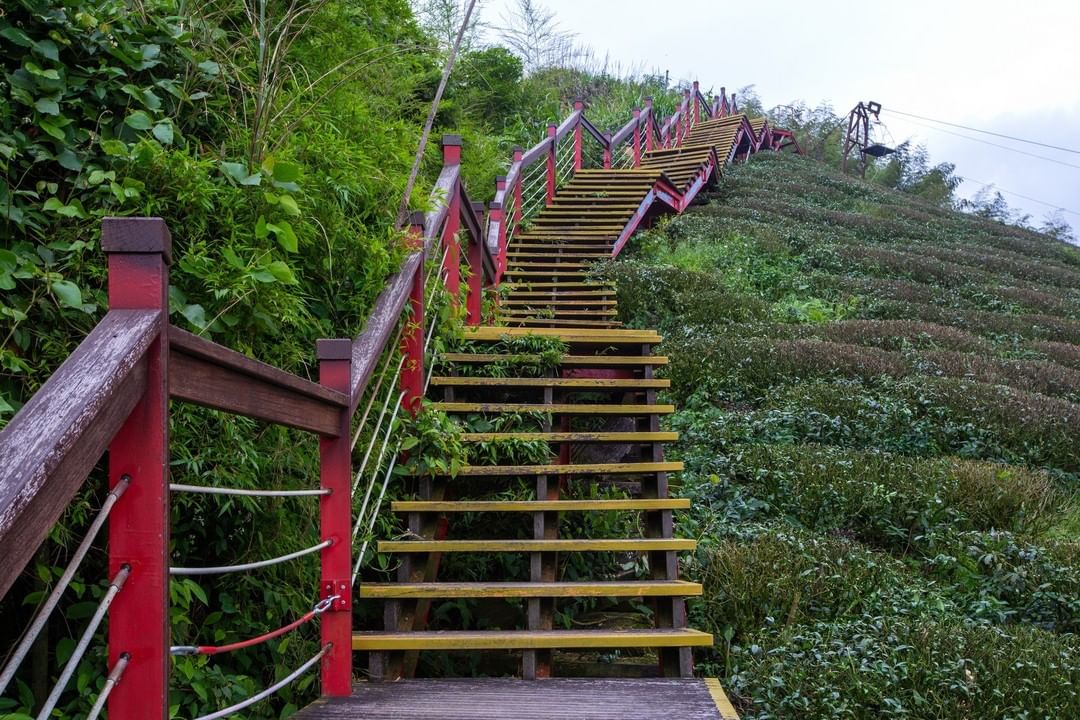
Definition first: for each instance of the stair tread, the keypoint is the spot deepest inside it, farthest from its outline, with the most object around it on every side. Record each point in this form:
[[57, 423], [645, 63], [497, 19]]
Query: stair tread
[[528, 639], [553, 545], [539, 505], [575, 437], [452, 380], [557, 408], [488, 332], [627, 468], [567, 360], [637, 588]]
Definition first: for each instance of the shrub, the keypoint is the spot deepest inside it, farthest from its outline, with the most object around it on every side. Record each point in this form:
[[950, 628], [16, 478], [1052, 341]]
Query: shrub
[[896, 667]]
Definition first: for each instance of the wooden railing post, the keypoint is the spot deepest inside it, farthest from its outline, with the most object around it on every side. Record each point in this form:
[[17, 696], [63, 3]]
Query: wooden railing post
[[412, 339], [650, 125], [637, 136], [552, 142], [578, 105], [474, 302], [139, 252], [451, 146], [607, 151], [687, 113], [335, 522], [697, 105]]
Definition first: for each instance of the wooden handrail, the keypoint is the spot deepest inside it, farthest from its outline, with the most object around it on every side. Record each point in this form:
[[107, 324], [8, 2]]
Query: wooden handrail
[[211, 375], [57, 438]]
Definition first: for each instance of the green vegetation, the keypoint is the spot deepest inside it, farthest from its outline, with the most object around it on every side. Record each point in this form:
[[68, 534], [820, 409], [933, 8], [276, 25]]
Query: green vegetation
[[880, 425]]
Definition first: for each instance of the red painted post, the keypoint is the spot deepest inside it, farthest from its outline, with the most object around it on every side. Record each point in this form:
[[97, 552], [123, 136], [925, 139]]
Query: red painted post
[[714, 109], [578, 105], [474, 302], [451, 145], [697, 105], [412, 339], [516, 209], [497, 216], [139, 252], [723, 103], [607, 151], [734, 105], [335, 522], [687, 113], [551, 164], [650, 125], [637, 136]]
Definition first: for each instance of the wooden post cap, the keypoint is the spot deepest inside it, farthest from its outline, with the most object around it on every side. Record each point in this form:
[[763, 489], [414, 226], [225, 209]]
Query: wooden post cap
[[451, 140], [416, 217], [143, 235], [333, 349]]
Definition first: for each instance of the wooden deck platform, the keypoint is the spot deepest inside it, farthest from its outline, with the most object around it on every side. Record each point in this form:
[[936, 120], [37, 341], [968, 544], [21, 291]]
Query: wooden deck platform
[[554, 699]]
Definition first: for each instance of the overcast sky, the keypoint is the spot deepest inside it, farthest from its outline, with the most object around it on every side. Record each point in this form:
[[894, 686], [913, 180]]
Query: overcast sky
[[994, 65]]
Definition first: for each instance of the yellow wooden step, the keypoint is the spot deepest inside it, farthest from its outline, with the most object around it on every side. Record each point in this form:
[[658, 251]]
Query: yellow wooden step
[[566, 361], [529, 639], [487, 332], [567, 286], [541, 322], [578, 469], [574, 437], [555, 301], [558, 295], [537, 310], [645, 588], [567, 264], [570, 248], [556, 545], [555, 256], [540, 505], [570, 273], [586, 383], [555, 409]]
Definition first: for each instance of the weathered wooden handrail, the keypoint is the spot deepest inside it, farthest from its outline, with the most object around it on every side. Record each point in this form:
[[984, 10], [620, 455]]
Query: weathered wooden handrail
[[205, 373], [57, 438]]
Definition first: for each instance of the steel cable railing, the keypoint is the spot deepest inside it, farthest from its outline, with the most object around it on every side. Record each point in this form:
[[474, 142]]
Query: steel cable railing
[[115, 587], [372, 517], [45, 611], [243, 567], [110, 682], [288, 679]]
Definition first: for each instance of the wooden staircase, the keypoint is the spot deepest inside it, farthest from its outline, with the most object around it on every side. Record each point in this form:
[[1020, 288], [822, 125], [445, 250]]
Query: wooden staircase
[[598, 412]]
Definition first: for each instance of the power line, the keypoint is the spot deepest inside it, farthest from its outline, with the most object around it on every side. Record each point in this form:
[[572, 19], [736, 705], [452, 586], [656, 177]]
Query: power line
[[986, 132], [993, 144], [1025, 197]]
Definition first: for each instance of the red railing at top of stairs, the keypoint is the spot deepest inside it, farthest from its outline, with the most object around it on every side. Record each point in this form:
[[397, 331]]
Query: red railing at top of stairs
[[113, 393]]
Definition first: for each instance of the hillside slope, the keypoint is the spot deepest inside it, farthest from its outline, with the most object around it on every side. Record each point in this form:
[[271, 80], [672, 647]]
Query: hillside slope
[[882, 439]]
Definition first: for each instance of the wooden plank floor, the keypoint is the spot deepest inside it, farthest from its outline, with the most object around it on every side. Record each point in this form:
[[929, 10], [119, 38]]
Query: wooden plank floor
[[554, 699]]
